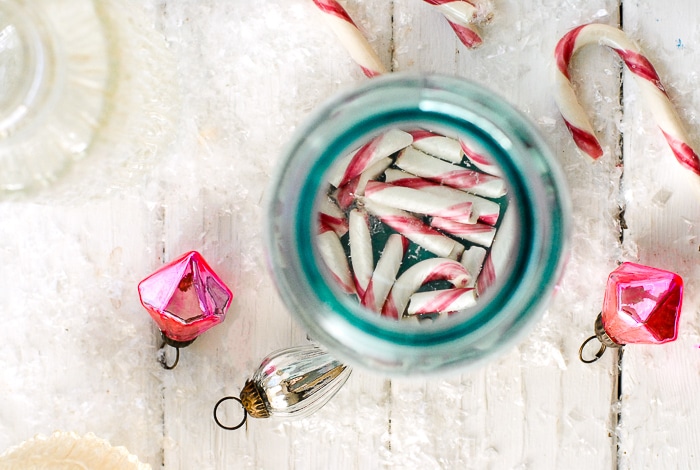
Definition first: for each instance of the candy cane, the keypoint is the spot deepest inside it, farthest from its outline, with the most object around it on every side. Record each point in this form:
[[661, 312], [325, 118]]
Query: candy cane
[[350, 37], [437, 145], [421, 164], [331, 217], [385, 272], [460, 14], [479, 160], [502, 251], [483, 210], [415, 230], [333, 255], [346, 194], [646, 77], [481, 234], [423, 272], [441, 301], [473, 259], [418, 202], [376, 149], [361, 254]]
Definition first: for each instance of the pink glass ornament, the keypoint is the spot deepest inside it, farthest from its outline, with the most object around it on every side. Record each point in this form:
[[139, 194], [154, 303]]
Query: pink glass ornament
[[642, 305], [185, 298]]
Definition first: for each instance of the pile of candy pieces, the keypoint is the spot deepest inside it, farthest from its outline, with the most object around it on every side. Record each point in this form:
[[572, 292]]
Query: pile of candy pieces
[[432, 206]]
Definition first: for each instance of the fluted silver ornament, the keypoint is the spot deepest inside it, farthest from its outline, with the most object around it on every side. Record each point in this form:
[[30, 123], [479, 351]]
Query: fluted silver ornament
[[292, 382]]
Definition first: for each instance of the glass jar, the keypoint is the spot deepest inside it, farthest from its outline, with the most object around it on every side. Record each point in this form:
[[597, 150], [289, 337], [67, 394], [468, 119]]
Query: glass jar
[[521, 258]]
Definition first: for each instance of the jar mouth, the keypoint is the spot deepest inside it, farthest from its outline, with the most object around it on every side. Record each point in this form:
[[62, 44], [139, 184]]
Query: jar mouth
[[27, 65], [535, 203]]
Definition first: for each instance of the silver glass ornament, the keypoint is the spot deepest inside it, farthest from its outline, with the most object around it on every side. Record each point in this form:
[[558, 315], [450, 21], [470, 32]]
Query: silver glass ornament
[[293, 382]]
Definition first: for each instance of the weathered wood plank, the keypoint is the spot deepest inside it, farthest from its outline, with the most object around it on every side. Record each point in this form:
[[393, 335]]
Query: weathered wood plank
[[244, 101], [537, 406], [659, 424], [78, 351]]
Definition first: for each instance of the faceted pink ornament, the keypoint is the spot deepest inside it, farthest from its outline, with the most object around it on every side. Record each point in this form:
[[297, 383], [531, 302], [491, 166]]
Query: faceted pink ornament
[[185, 298], [642, 305]]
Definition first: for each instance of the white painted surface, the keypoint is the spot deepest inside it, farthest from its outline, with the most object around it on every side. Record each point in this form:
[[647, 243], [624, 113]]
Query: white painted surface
[[78, 352]]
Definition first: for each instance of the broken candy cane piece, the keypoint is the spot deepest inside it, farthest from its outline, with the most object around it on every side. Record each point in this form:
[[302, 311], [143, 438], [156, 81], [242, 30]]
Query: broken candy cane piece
[[333, 255], [452, 150], [437, 145], [346, 194], [479, 159], [414, 200], [421, 164], [412, 228], [421, 273], [361, 255], [348, 167], [441, 301], [483, 210], [460, 14], [350, 37], [481, 234], [648, 80], [502, 252], [473, 259], [330, 216], [385, 272], [376, 149]]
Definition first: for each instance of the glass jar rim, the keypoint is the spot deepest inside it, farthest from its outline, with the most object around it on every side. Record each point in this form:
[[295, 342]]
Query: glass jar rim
[[467, 109]]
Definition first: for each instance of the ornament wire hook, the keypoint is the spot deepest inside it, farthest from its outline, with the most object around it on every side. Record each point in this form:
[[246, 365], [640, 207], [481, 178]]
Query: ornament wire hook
[[598, 354], [164, 360], [216, 417]]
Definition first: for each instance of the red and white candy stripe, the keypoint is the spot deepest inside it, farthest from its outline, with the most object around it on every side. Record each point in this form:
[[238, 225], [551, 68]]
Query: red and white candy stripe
[[385, 272], [460, 14], [479, 159], [361, 254], [648, 80], [331, 217], [483, 210], [333, 255], [412, 228], [421, 164], [503, 249], [481, 234], [376, 149], [419, 202], [350, 37], [437, 145], [441, 301], [421, 273], [346, 194], [473, 259]]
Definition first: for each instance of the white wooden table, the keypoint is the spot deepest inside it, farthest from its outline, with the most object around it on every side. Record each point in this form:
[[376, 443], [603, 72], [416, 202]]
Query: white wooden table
[[78, 352]]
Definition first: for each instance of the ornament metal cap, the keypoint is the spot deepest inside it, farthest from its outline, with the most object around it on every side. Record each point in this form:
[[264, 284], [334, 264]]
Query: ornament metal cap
[[600, 335]]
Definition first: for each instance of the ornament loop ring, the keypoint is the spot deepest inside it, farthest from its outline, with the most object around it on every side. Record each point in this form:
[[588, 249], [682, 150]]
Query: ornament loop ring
[[164, 361], [216, 417], [598, 354]]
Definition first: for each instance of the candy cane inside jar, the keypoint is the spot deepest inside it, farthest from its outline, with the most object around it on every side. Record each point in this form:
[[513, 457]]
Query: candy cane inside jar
[[412, 227]]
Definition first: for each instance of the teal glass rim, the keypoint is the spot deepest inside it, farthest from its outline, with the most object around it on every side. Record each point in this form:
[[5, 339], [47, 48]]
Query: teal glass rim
[[455, 107]]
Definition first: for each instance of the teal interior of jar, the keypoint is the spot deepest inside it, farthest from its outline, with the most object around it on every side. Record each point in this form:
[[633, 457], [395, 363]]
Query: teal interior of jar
[[453, 107]]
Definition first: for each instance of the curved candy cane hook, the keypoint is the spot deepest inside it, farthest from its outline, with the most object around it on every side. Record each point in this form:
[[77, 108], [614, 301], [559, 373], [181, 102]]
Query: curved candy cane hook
[[460, 14], [350, 37], [652, 89]]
